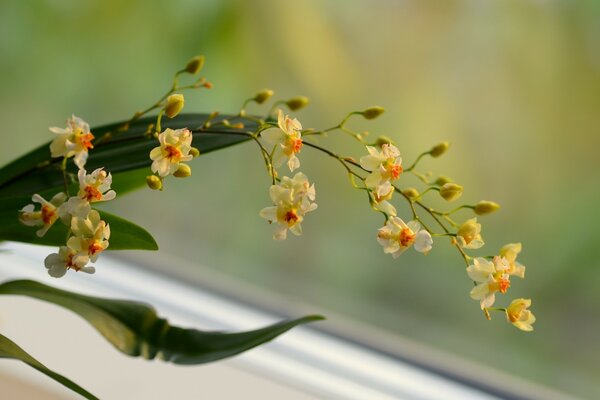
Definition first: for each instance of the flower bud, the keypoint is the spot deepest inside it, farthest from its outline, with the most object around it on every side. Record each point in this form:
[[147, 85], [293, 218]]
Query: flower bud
[[451, 191], [183, 171], [263, 96], [381, 140], [486, 207], [439, 149], [373, 112], [194, 152], [469, 229], [174, 105], [442, 180], [195, 65], [154, 182], [296, 103], [410, 192]]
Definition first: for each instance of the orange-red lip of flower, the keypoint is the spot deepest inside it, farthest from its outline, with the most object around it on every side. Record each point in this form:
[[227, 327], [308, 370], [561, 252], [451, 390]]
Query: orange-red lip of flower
[[290, 217], [503, 285], [48, 215], [297, 145], [94, 248], [86, 141], [395, 171], [92, 193], [406, 237], [173, 153]]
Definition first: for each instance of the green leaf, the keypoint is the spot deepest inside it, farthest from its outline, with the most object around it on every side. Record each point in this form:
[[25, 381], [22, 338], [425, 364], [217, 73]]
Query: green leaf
[[125, 235], [9, 349], [135, 329], [117, 150]]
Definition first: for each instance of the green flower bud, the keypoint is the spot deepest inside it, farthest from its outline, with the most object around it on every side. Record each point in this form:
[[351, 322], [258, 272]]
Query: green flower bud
[[183, 171], [195, 65], [381, 140], [410, 192], [194, 152], [154, 182], [174, 105], [486, 207], [451, 191], [373, 112], [263, 96], [296, 103], [439, 149], [442, 180]]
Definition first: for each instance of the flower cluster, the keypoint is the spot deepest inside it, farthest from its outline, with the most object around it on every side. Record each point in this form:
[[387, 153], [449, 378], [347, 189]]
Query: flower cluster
[[174, 147], [379, 172], [280, 137], [88, 234], [293, 197]]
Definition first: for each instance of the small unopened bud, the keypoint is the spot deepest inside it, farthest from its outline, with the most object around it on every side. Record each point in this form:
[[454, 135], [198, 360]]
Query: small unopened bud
[[208, 85], [486, 207], [263, 96], [451, 191], [174, 105], [194, 152], [296, 103], [154, 182], [439, 149], [442, 180], [239, 125], [381, 140], [183, 171], [410, 192], [195, 65], [373, 112]]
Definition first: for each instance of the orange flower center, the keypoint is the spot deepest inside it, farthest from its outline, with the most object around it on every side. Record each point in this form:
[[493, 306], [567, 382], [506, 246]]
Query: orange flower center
[[406, 237], [94, 248], [393, 170], [92, 193], [173, 153], [499, 284], [297, 145], [86, 141], [503, 285], [290, 217], [48, 214]]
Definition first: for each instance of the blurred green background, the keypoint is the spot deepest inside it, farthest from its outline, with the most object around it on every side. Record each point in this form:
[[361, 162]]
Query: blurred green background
[[513, 85]]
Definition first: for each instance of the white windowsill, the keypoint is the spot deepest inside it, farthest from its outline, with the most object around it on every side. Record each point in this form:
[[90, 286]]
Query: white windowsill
[[303, 363]]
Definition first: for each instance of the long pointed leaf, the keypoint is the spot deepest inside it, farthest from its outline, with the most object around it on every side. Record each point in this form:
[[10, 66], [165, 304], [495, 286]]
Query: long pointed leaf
[[114, 149], [135, 329], [125, 235], [9, 349]]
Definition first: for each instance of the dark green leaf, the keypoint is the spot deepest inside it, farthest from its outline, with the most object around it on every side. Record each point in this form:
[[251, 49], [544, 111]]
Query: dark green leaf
[[9, 349], [125, 235], [135, 329], [116, 150]]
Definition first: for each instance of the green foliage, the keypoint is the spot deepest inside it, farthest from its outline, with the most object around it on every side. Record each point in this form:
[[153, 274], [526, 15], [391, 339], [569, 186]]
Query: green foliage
[[9, 349], [125, 235], [116, 149], [136, 330]]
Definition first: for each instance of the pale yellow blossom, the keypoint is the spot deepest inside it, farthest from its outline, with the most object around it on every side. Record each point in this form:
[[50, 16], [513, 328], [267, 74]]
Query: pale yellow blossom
[[74, 140]]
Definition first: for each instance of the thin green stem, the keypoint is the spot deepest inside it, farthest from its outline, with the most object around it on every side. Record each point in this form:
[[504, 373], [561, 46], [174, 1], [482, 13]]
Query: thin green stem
[[414, 164]]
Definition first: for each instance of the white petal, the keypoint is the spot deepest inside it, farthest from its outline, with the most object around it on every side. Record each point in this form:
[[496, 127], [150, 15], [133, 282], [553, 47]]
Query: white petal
[[423, 242], [293, 163], [273, 136], [81, 158], [269, 213]]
